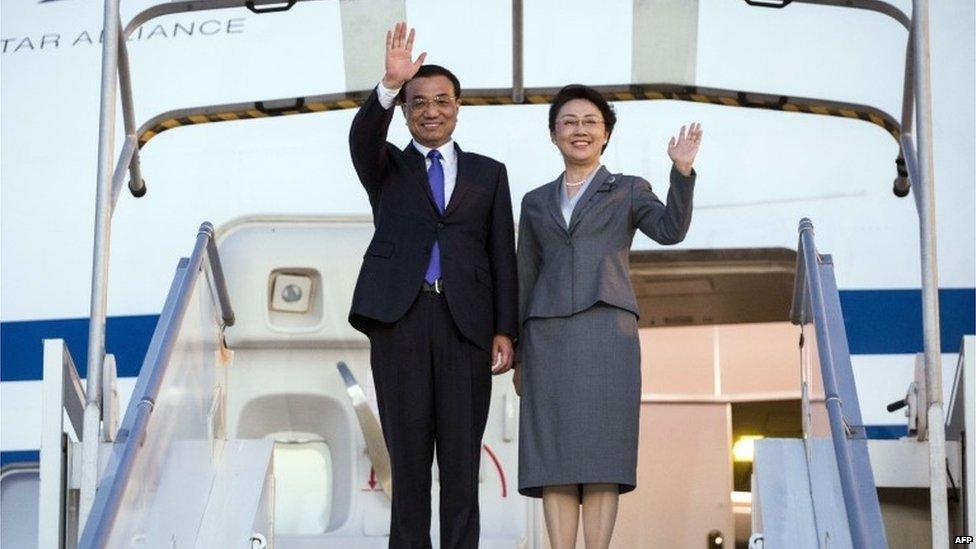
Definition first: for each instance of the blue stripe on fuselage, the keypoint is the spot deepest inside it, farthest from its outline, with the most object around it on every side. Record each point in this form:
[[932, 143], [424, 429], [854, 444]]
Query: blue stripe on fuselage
[[878, 322], [889, 322], [19, 456], [21, 347]]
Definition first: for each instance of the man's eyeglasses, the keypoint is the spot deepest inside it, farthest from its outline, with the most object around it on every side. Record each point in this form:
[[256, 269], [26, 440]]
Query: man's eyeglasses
[[570, 123], [442, 102]]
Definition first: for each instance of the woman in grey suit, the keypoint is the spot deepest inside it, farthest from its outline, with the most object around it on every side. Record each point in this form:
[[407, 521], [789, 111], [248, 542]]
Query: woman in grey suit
[[579, 373]]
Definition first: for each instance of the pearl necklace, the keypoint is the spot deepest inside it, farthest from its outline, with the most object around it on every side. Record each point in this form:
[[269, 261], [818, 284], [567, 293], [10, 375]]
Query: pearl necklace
[[577, 184]]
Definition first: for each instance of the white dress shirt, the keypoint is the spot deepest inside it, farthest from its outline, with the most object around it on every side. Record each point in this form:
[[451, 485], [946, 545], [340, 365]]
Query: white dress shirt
[[387, 99]]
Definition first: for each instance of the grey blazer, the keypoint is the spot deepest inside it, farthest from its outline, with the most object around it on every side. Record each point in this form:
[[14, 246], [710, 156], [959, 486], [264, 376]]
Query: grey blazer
[[565, 270]]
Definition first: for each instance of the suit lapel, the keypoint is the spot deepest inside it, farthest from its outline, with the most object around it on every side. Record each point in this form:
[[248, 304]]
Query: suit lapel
[[419, 167], [602, 183], [555, 202], [462, 183]]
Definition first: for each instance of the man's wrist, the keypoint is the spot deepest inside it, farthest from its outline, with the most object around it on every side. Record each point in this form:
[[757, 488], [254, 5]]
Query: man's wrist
[[683, 169], [387, 96], [391, 85]]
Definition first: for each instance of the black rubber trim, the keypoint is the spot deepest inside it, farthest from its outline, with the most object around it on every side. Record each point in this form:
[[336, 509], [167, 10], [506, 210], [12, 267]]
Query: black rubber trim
[[778, 4], [271, 111], [272, 8]]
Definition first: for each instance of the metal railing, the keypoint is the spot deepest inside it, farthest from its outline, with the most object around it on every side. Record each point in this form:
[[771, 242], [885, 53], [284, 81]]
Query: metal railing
[[816, 301], [116, 83], [132, 432]]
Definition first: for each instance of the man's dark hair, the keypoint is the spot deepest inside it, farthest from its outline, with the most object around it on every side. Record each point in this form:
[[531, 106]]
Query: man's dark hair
[[579, 91], [427, 71]]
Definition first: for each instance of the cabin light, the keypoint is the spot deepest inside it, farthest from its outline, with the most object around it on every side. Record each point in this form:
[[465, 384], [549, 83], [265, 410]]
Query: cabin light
[[744, 447], [291, 293]]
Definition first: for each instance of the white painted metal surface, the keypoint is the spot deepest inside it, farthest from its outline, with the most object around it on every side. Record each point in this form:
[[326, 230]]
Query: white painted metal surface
[[904, 463], [968, 365], [362, 22], [665, 41], [797, 512], [62, 398], [960, 414], [241, 497]]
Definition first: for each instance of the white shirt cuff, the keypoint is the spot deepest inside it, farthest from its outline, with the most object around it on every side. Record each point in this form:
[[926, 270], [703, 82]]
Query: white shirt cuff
[[386, 96]]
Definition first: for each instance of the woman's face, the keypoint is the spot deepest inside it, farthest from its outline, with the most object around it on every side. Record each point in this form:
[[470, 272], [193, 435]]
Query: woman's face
[[580, 132]]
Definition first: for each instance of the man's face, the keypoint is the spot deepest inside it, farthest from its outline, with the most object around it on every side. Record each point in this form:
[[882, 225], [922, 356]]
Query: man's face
[[431, 110]]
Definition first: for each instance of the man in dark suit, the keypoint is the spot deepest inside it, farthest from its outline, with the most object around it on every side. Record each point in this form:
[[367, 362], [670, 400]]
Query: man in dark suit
[[436, 295]]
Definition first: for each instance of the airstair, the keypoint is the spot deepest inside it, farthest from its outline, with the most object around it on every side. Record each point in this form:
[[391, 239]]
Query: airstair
[[248, 425], [822, 490]]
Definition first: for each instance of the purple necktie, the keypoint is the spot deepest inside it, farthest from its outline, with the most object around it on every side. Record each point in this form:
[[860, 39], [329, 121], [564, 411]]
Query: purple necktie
[[435, 175]]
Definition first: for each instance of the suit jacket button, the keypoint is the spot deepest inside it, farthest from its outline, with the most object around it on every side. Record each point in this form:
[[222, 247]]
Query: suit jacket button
[[569, 242], [440, 225]]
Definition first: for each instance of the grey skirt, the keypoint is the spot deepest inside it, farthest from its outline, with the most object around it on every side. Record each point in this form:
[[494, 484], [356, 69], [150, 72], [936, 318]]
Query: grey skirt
[[581, 387]]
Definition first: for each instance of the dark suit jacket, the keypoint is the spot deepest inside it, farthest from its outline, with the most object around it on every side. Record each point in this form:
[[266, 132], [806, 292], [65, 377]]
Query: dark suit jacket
[[565, 270], [476, 234]]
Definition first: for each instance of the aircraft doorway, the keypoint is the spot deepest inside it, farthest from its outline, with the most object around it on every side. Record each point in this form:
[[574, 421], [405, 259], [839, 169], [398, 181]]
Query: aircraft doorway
[[720, 364]]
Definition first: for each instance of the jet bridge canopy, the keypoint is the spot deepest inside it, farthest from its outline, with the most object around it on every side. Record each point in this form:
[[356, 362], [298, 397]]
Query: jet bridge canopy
[[796, 66]]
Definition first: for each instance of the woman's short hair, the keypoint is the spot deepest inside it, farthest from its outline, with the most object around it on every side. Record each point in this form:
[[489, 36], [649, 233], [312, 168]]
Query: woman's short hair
[[426, 71], [579, 91]]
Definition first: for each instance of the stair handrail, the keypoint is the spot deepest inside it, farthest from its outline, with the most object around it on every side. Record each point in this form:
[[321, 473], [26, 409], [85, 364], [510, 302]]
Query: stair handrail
[[132, 432], [816, 301]]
